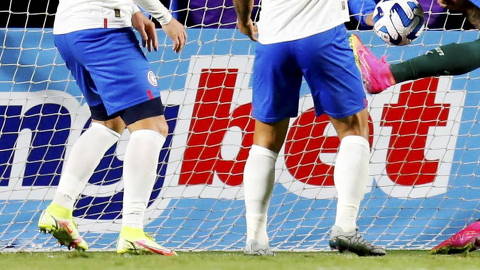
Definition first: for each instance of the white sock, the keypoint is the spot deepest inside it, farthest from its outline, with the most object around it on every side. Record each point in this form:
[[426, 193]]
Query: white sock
[[258, 180], [139, 174], [84, 157], [351, 177]]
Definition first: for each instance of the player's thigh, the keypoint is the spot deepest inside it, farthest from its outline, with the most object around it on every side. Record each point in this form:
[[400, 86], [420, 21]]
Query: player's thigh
[[276, 83], [156, 123], [82, 76], [122, 74], [332, 75]]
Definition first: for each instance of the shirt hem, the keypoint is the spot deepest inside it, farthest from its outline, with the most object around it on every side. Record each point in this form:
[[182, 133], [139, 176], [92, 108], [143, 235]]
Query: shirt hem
[[93, 26], [296, 37]]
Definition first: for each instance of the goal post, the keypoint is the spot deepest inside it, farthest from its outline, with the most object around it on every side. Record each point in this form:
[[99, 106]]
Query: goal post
[[424, 139]]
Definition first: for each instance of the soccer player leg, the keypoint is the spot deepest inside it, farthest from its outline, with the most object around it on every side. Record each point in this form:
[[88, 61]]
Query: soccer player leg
[[258, 181], [128, 88], [442, 61], [276, 82], [83, 158], [375, 71], [466, 240], [329, 68], [147, 136], [351, 177]]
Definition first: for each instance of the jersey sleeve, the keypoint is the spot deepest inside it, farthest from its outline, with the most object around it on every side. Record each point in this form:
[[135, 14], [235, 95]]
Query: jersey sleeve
[[156, 9], [360, 8], [135, 8]]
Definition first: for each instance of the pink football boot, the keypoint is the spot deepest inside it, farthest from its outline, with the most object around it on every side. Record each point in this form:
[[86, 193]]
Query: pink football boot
[[465, 240], [376, 72]]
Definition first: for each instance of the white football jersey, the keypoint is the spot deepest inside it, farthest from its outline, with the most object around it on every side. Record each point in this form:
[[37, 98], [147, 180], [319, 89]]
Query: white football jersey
[[74, 15], [285, 20]]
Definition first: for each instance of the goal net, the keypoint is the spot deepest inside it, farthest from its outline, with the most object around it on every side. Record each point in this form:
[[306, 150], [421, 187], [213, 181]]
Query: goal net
[[424, 137]]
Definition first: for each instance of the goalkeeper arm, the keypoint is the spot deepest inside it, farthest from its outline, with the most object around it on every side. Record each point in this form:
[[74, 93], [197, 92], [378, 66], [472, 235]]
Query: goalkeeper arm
[[471, 9]]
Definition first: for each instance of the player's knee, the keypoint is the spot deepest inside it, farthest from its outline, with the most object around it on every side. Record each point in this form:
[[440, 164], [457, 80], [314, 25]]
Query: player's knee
[[155, 123], [354, 125], [100, 115], [269, 142], [146, 115], [271, 135], [158, 124], [116, 124], [354, 131]]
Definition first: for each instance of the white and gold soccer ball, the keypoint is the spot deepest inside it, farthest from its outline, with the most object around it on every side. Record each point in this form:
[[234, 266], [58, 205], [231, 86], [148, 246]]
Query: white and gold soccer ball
[[398, 22]]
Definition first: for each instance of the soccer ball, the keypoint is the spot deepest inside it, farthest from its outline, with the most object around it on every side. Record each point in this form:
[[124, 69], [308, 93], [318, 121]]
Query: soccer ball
[[398, 22]]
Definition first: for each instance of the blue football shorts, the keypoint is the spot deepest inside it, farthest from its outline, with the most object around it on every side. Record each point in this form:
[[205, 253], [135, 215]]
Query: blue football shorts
[[110, 68], [327, 63]]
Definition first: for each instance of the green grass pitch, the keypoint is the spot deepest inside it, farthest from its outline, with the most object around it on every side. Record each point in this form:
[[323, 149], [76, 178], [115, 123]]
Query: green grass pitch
[[403, 260]]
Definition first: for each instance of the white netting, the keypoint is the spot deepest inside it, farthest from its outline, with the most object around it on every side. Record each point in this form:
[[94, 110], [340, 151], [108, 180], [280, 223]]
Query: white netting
[[425, 142]]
